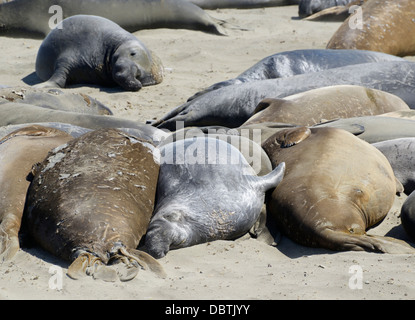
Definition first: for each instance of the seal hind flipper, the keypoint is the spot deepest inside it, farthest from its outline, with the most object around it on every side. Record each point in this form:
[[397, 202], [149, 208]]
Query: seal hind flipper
[[152, 263], [9, 245], [365, 242], [78, 268], [290, 137]]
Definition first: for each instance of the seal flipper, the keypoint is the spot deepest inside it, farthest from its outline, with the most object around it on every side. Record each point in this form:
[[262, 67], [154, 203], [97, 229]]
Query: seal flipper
[[152, 263], [270, 180], [290, 137]]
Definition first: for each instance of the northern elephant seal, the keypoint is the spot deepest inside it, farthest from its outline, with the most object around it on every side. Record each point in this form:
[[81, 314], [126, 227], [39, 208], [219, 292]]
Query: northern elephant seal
[[206, 191], [308, 7], [329, 197], [327, 103], [54, 99], [107, 55], [374, 129], [290, 63], [32, 17], [242, 4], [400, 154], [386, 26], [17, 113], [338, 13], [231, 106], [91, 200], [19, 151]]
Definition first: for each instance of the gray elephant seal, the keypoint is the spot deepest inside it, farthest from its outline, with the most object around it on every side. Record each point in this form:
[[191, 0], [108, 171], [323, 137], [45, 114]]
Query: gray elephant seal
[[290, 63], [386, 26], [327, 103], [19, 151], [400, 154], [90, 203], [54, 99], [309, 7], [329, 197], [206, 191], [108, 55], [31, 17], [231, 106]]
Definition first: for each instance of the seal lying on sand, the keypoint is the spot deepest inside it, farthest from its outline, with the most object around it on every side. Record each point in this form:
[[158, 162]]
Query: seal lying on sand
[[107, 55], [231, 106], [386, 26], [206, 191], [329, 196], [290, 63], [408, 216], [54, 99], [90, 203], [19, 151], [309, 7], [32, 17], [17, 113], [327, 103]]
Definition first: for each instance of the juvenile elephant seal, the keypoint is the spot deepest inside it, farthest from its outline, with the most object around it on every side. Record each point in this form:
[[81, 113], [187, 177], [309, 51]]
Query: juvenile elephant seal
[[327, 103], [329, 196], [231, 106], [206, 191], [90, 203], [108, 55], [290, 63], [386, 26], [400, 154], [19, 151], [32, 17], [54, 99]]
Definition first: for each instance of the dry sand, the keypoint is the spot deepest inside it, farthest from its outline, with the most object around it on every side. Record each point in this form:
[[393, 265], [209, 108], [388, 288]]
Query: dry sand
[[242, 269]]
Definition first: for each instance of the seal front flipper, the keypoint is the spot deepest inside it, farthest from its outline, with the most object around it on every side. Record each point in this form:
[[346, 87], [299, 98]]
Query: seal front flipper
[[290, 137]]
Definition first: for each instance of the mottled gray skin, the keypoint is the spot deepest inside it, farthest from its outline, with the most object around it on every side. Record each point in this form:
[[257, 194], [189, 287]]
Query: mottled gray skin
[[308, 7], [30, 18], [242, 4], [401, 156], [54, 99], [374, 129], [231, 106], [17, 113], [199, 202], [107, 55], [408, 216], [291, 63]]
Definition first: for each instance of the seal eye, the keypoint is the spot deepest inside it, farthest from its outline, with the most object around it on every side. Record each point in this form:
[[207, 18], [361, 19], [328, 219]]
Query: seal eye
[[132, 54]]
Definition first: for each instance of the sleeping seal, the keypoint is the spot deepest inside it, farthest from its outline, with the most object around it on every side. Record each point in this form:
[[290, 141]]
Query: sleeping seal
[[90, 203], [329, 197], [107, 55], [206, 191]]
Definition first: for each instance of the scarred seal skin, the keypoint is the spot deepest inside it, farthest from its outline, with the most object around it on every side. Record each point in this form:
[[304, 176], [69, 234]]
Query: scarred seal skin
[[90, 202]]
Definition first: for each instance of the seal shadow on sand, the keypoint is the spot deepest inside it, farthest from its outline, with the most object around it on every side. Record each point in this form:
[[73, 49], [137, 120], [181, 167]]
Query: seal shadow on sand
[[32, 79]]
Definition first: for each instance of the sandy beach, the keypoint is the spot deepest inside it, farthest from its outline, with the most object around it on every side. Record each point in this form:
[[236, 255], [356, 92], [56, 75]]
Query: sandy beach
[[243, 269]]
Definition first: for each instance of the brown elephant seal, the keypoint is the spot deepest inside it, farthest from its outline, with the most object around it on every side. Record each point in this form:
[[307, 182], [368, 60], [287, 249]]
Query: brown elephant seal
[[108, 55], [327, 103], [54, 99], [91, 200], [19, 151], [335, 187], [386, 26]]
